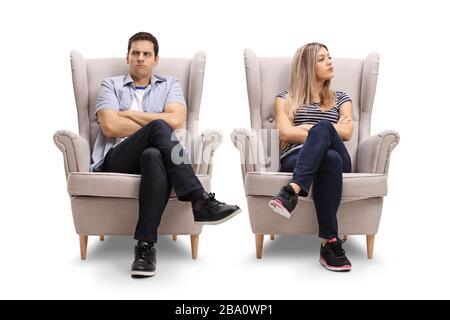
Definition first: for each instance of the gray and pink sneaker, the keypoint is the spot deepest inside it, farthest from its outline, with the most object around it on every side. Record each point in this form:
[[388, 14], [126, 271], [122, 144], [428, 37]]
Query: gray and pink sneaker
[[285, 202]]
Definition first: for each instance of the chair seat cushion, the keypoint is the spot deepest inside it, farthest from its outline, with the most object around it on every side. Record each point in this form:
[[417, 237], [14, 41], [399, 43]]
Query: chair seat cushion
[[356, 186], [114, 185]]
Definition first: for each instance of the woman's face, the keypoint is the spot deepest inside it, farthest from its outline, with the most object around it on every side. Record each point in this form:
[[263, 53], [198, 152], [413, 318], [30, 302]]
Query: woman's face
[[324, 65]]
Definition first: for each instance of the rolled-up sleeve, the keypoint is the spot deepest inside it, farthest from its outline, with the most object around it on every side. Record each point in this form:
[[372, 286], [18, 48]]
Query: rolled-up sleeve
[[107, 98], [175, 93]]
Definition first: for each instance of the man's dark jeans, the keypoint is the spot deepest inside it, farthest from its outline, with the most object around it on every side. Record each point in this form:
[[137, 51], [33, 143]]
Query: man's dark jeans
[[322, 159], [148, 152]]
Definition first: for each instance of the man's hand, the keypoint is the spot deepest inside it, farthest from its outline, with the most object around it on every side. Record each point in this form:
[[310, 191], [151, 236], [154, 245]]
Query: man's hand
[[174, 114], [114, 124]]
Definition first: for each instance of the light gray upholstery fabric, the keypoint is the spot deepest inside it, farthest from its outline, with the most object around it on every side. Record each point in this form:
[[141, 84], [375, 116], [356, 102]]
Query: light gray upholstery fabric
[[204, 146], [113, 185], [118, 216], [363, 189], [375, 151], [252, 150], [106, 203], [354, 217], [355, 186], [75, 151]]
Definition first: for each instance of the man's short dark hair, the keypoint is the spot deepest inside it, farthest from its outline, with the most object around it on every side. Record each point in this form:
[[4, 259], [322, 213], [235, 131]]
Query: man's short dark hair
[[144, 36]]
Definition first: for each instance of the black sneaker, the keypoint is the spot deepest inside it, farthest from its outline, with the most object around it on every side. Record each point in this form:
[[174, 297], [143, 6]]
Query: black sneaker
[[144, 264], [332, 256], [285, 202], [210, 211]]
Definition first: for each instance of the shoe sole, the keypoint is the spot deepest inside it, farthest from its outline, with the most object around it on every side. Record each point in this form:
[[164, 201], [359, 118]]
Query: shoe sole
[[345, 268], [142, 274], [276, 206], [218, 221]]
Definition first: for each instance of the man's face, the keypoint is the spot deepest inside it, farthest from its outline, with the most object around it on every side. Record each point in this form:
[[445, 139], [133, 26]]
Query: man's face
[[141, 59]]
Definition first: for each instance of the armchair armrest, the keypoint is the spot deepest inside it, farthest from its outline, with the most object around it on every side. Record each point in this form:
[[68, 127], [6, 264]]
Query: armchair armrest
[[244, 141], [374, 152], [75, 151], [204, 147], [253, 152]]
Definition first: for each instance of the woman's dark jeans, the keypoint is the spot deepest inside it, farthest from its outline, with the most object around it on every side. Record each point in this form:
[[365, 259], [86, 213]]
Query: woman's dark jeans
[[322, 159]]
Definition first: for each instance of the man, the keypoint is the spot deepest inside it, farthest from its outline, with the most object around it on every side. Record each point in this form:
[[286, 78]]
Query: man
[[137, 114]]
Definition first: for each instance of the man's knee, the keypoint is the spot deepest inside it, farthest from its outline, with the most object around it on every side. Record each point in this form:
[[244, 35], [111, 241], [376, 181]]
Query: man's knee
[[159, 124], [150, 155]]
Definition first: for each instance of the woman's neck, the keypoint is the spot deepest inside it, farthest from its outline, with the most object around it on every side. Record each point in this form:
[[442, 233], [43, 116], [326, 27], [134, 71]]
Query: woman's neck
[[316, 88]]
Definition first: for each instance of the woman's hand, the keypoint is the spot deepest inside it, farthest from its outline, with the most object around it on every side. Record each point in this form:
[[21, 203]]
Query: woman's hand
[[344, 120], [306, 126], [344, 127]]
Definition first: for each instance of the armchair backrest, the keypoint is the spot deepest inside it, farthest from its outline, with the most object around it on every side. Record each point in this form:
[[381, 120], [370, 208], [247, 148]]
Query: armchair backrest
[[87, 75], [266, 77]]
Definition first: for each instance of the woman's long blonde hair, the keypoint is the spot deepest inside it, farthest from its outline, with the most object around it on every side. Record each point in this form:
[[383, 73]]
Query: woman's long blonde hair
[[302, 76]]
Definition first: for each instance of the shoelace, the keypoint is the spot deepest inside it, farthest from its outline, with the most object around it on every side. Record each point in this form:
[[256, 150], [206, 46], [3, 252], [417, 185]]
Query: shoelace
[[211, 199], [143, 252], [336, 247]]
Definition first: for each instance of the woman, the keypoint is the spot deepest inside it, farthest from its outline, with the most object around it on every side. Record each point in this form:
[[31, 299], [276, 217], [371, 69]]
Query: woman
[[313, 121]]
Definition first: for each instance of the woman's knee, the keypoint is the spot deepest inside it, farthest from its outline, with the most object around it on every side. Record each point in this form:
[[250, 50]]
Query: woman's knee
[[323, 126], [332, 158]]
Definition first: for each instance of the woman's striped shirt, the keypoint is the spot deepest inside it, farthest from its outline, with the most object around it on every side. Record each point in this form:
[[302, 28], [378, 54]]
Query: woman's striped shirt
[[311, 115]]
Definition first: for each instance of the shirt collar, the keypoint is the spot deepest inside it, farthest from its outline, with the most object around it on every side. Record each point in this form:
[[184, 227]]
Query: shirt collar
[[155, 78]]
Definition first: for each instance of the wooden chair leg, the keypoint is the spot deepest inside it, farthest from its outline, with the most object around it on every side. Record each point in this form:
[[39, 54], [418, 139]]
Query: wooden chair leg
[[370, 239], [174, 237], [83, 246], [272, 237], [102, 237], [259, 245], [194, 245]]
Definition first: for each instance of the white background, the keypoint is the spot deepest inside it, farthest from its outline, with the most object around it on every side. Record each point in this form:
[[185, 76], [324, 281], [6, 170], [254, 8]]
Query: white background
[[39, 251]]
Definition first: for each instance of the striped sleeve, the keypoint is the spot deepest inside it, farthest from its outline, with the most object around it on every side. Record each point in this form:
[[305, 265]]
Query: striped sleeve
[[341, 98], [283, 94]]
